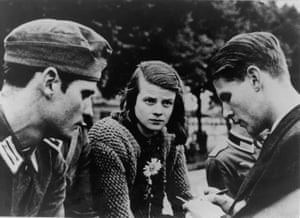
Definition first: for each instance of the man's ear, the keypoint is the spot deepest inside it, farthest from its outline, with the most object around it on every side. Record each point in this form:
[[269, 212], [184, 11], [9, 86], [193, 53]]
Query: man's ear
[[254, 76], [50, 81]]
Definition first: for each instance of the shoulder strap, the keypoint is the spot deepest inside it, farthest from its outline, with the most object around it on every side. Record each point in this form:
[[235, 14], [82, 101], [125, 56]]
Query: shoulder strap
[[217, 149], [72, 147]]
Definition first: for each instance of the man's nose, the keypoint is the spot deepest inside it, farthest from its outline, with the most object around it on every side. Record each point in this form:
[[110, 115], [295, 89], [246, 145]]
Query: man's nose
[[87, 107], [227, 111]]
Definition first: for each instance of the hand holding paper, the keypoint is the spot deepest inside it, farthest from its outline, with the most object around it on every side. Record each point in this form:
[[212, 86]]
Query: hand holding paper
[[202, 208]]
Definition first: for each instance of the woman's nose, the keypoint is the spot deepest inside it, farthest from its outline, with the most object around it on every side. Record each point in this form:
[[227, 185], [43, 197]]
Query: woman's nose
[[157, 110]]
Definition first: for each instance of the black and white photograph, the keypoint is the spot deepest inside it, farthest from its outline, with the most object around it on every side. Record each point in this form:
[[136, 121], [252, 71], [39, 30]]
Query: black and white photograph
[[150, 108]]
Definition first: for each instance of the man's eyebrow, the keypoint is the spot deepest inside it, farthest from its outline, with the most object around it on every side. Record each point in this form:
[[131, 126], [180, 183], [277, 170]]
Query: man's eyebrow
[[88, 92], [225, 96]]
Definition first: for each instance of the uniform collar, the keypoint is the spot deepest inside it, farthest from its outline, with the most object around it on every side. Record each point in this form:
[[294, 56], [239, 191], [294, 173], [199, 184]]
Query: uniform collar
[[11, 156], [242, 143], [14, 159], [8, 151]]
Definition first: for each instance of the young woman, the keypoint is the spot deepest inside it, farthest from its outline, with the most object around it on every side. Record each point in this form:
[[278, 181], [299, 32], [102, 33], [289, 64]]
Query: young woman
[[138, 154]]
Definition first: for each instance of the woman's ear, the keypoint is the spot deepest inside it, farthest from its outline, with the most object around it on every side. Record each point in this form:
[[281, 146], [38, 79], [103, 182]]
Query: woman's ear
[[254, 76], [50, 81]]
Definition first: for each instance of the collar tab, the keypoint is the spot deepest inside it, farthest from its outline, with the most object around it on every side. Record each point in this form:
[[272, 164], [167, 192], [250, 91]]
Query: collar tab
[[241, 143], [10, 155]]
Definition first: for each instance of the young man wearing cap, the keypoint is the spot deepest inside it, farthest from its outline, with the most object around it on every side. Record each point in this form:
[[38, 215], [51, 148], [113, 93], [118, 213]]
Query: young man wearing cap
[[50, 67], [251, 78]]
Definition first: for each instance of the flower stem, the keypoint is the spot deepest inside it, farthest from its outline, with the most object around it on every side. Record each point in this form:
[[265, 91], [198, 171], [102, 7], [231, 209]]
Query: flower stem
[[149, 203]]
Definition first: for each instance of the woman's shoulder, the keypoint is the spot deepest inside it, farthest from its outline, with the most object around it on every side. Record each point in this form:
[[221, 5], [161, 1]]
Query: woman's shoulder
[[107, 123], [113, 140], [108, 128], [110, 132]]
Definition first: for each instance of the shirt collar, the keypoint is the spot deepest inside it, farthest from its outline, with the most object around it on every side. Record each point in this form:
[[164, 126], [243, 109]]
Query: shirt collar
[[11, 156], [34, 161], [275, 124]]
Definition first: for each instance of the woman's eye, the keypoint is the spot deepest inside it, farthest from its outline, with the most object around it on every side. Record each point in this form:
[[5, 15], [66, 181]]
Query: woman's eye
[[150, 101], [167, 103]]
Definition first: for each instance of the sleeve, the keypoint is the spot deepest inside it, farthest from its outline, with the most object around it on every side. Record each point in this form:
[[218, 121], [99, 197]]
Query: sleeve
[[214, 173], [79, 197], [224, 172], [109, 184], [278, 186], [55, 195], [288, 206], [178, 181]]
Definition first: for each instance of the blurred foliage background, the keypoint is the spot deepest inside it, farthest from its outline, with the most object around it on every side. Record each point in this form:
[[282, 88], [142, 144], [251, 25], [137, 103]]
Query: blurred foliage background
[[182, 33]]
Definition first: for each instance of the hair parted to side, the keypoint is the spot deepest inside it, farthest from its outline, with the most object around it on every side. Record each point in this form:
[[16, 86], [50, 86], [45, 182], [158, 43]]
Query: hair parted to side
[[163, 75], [261, 49]]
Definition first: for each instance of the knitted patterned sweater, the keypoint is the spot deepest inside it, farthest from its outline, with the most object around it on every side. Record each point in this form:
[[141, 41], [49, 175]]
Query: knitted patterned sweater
[[119, 155]]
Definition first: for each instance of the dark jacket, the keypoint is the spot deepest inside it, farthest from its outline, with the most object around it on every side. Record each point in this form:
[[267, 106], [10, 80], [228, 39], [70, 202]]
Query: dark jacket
[[27, 187], [118, 159], [78, 201], [276, 173]]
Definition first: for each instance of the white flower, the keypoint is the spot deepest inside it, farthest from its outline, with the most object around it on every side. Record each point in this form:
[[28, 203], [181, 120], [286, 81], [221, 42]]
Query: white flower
[[152, 167]]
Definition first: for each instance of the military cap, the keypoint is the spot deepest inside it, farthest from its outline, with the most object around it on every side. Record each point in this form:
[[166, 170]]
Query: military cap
[[66, 45]]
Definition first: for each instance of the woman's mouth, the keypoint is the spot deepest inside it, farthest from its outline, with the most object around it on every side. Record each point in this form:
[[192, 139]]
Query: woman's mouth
[[156, 121]]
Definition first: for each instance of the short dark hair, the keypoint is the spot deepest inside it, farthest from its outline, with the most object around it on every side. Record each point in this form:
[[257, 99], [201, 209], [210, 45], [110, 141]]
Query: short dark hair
[[19, 75], [163, 75], [261, 49]]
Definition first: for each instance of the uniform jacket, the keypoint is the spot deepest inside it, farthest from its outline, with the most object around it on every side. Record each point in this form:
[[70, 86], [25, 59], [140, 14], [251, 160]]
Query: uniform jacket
[[276, 174], [78, 201], [117, 172], [33, 185], [227, 165]]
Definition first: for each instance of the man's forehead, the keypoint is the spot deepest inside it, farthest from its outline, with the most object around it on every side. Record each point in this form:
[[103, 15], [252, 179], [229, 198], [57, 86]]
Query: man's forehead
[[224, 88], [86, 85], [225, 83], [220, 84]]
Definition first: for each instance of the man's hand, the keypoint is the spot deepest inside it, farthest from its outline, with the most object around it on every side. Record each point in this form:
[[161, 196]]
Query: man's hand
[[222, 200], [201, 208], [213, 204]]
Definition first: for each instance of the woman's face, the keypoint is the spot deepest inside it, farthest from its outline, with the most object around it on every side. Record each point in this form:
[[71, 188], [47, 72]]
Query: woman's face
[[154, 106]]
